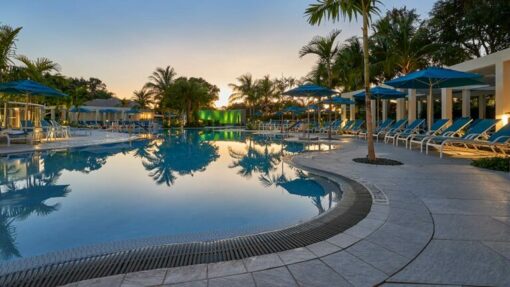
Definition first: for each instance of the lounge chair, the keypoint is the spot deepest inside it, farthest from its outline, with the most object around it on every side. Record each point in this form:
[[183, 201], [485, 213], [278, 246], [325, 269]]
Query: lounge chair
[[413, 128], [381, 127], [346, 126], [355, 128], [435, 129], [451, 131], [476, 132], [334, 125], [16, 136], [398, 126]]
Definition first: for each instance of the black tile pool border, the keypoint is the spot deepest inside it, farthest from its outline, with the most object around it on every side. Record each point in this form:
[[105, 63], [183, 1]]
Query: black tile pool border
[[355, 205]]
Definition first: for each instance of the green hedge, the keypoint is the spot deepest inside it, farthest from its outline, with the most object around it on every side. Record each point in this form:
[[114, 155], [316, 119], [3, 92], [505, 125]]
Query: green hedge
[[494, 163]]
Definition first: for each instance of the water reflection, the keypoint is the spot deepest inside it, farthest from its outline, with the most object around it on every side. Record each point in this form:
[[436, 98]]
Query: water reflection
[[34, 185], [182, 154]]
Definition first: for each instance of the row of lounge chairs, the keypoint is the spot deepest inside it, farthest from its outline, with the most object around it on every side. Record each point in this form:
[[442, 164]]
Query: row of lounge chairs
[[463, 133], [49, 130], [121, 126]]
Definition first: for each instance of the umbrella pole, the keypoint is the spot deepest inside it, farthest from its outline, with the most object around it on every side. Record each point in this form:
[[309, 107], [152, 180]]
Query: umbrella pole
[[430, 109]]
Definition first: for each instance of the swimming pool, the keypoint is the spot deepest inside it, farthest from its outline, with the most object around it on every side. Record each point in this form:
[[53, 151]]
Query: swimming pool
[[181, 187]]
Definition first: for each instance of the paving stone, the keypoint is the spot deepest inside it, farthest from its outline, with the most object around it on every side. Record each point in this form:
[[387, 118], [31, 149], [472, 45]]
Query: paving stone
[[414, 220], [354, 270], [277, 277], [225, 268], [457, 262], [502, 248], [381, 258], [262, 262], [470, 227], [111, 281], [404, 241], [201, 283], [315, 273], [296, 255], [343, 240], [467, 207], [323, 248], [371, 224], [242, 280], [416, 285], [186, 273], [359, 231], [144, 278]]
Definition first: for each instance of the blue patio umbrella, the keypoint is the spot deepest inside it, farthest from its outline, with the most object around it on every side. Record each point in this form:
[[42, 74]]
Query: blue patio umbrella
[[338, 101], [294, 110], [29, 88], [311, 90], [79, 110], [382, 93], [433, 78], [132, 111]]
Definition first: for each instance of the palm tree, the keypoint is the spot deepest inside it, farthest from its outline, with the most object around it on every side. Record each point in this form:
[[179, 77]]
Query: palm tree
[[160, 82], [348, 66], [401, 44], [36, 69], [334, 9], [245, 91], [326, 49], [266, 92], [7, 47], [143, 98]]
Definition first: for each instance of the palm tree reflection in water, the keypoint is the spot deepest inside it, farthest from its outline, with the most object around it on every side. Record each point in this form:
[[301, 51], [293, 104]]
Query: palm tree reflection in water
[[181, 154], [260, 157]]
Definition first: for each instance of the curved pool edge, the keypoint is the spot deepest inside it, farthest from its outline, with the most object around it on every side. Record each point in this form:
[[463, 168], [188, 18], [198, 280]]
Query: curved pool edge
[[353, 208]]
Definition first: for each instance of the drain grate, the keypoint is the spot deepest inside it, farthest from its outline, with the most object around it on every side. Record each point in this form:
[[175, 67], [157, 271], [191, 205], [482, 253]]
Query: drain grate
[[353, 207]]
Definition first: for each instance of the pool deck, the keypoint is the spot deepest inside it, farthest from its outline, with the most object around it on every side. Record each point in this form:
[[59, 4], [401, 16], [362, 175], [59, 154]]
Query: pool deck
[[434, 222], [88, 138]]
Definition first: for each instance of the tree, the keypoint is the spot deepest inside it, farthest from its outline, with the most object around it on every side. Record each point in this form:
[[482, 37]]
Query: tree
[[469, 28], [160, 82], [333, 9], [143, 98], [189, 95], [266, 92], [401, 44], [245, 91], [8, 37], [348, 66], [36, 69]]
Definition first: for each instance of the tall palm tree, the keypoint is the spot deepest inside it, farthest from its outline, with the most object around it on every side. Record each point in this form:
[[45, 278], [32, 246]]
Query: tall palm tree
[[326, 49], [401, 44], [36, 69], [334, 9], [245, 91], [160, 82], [143, 98], [348, 66], [267, 92], [7, 47]]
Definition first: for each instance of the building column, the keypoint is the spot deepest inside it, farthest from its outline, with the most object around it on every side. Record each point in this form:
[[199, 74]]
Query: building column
[[52, 113], [482, 107], [466, 103], [419, 108], [400, 109], [373, 108], [412, 105], [447, 104], [502, 93], [352, 112], [384, 110], [344, 113]]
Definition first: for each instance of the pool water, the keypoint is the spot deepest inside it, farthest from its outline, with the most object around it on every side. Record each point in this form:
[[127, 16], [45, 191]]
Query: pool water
[[183, 186]]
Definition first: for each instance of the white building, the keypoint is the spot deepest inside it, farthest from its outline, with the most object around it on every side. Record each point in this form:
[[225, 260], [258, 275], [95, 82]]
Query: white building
[[493, 100]]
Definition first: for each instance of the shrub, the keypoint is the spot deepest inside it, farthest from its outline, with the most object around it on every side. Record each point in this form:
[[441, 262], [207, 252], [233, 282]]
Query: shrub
[[494, 163]]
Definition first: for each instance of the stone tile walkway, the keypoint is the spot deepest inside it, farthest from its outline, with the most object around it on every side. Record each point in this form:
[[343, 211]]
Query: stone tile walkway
[[445, 223], [87, 138]]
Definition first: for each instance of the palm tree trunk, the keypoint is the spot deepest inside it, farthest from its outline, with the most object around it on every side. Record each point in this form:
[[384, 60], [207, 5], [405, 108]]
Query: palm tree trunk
[[370, 128]]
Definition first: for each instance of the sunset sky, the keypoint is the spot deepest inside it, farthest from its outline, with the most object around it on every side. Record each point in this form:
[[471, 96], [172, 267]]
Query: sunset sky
[[122, 42]]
